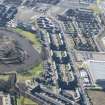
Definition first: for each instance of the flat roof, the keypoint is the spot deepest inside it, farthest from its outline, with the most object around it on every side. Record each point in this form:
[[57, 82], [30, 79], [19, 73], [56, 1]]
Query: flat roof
[[97, 71], [84, 55]]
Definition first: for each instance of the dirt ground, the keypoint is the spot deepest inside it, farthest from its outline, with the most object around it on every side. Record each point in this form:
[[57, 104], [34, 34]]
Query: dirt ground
[[97, 97]]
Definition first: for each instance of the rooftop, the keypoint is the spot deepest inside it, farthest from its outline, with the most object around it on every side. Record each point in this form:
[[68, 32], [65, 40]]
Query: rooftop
[[5, 99], [97, 72], [84, 55]]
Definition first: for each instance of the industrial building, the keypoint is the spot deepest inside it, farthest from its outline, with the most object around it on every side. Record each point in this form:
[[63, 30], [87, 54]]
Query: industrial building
[[95, 73]]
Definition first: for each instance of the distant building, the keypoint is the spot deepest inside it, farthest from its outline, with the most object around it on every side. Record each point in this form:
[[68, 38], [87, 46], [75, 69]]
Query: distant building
[[101, 5], [5, 99], [96, 72], [87, 1]]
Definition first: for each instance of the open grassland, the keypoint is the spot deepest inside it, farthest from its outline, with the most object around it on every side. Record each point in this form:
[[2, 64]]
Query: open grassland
[[95, 9], [25, 101], [31, 37], [4, 77], [28, 75]]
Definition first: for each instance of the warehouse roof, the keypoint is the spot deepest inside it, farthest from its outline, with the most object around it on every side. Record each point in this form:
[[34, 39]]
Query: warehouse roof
[[96, 70]]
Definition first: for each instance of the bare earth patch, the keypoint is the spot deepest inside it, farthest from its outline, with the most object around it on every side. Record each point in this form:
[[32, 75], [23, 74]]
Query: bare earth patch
[[97, 97]]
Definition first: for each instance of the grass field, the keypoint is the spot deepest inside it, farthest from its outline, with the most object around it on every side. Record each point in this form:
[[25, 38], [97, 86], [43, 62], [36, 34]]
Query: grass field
[[28, 75], [25, 101], [95, 9], [4, 77], [31, 37]]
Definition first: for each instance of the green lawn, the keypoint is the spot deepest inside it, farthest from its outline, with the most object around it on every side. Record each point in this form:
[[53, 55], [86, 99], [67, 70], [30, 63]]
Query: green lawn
[[31, 37], [35, 72], [4, 77], [25, 101]]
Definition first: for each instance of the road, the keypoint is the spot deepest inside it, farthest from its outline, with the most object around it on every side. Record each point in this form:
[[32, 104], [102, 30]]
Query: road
[[71, 54], [73, 64]]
